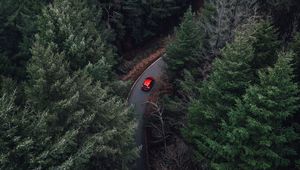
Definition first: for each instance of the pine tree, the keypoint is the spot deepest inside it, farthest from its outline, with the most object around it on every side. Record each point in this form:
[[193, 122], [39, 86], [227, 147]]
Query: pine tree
[[7, 127], [211, 30], [231, 75], [185, 51], [258, 137], [263, 43], [216, 23], [14, 140], [296, 119], [209, 114], [85, 131], [266, 45], [84, 126], [72, 27], [70, 121]]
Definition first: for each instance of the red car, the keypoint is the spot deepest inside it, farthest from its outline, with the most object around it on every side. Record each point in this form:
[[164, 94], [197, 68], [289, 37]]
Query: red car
[[148, 84]]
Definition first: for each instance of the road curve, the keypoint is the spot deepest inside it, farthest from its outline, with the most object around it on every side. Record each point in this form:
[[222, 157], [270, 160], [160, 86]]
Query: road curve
[[137, 98]]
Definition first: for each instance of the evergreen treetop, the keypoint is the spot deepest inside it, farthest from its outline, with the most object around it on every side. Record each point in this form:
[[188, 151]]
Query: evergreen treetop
[[231, 75], [72, 27], [82, 124], [257, 133], [70, 121], [184, 51]]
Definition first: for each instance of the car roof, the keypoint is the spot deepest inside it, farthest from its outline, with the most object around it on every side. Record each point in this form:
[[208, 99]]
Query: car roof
[[147, 81]]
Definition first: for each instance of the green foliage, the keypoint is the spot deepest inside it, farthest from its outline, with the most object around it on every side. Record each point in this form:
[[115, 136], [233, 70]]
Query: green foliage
[[7, 85], [71, 26], [215, 26], [7, 127], [212, 126], [241, 117], [13, 130], [199, 39], [184, 51], [266, 45], [101, 71], [134, 21], [70, 120], [232, 75], [18, 25], [257, 137], [295, 46], [120, 88], [47, 68], [83, 125], [87, 131]]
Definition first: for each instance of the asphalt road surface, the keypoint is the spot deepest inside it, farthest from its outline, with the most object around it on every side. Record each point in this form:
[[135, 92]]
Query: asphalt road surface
[[138, 99]]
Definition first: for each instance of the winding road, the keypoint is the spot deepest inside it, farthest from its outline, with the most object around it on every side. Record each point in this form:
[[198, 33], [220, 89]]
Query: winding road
[[138, 98]]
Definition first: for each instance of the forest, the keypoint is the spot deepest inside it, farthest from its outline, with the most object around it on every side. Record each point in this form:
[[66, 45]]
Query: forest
[[229, 97]]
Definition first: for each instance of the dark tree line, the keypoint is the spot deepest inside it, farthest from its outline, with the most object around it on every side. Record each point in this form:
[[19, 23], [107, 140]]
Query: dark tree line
[[123, 24], [18, 26], [135, 21]]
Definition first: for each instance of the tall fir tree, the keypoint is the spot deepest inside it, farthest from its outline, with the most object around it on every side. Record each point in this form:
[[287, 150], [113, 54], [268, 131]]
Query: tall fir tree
[[208, 119], [231, 75], [73, 27], [81, 128], [257, 134], [216, 24], [266, 45], [184, 51], [212, 29], [84, 127], [71, 122]]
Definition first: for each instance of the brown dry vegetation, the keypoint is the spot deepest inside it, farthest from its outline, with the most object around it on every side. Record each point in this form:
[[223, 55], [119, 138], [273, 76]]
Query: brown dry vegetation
[[138, 69], [141, 58]]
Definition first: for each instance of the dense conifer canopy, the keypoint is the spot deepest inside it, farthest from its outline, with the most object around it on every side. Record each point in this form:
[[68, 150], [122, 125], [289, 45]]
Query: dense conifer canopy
[[228, 98]]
